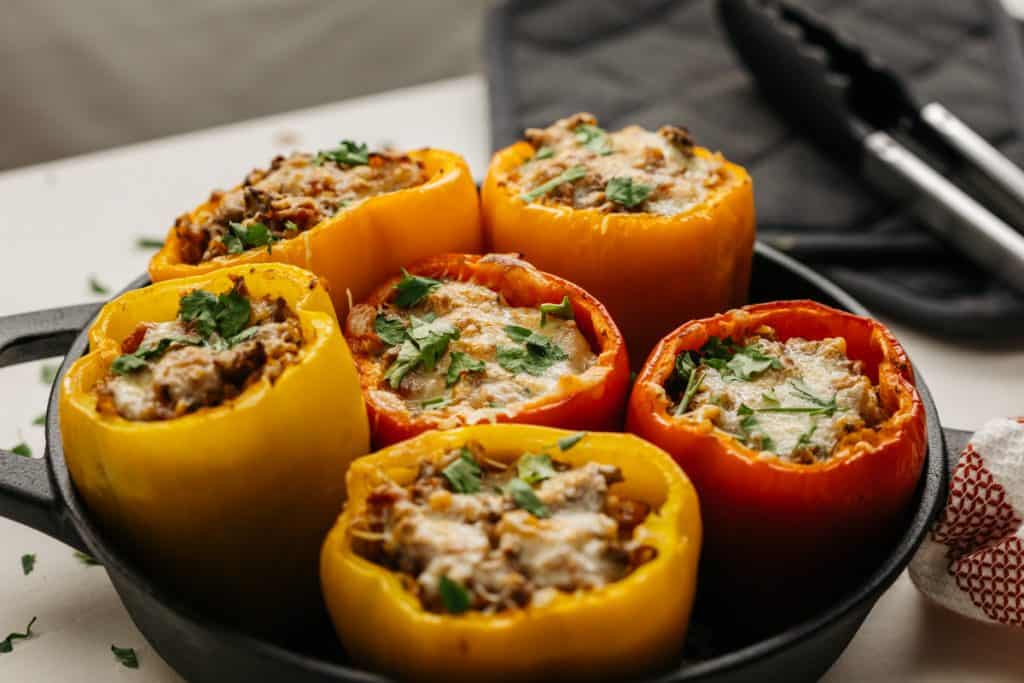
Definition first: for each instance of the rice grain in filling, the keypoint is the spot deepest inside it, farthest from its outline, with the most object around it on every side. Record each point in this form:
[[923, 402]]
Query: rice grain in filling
[[501, 555]]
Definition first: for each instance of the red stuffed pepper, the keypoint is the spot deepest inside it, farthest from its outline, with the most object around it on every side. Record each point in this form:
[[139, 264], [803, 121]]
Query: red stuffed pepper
[[464, 339]]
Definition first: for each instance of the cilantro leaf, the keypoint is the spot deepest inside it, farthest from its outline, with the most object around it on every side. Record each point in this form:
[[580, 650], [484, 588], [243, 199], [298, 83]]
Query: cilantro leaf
[[622, 190], [517, 333], [407, 360], [562, 310], [126, 656], [432, 339], [593, 138], [390, 329], [748, 362], [567, 442], [524, 497], [7, 644], [462, 363], [534, 468], [232, 314], [28, 563], [543, 153], [463, 473], [454, 595], [23, 450], [347, 153], [200, 307], [133, 362], [39, 420], [149, 242], [436, 402], [569, 175], [411, 289], [749, 428]]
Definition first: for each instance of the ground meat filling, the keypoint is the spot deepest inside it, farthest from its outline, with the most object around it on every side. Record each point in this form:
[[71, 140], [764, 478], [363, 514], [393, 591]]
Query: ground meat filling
[[461, 349], [292, 196], [474, 533], [578, 164], [218, 346], [795, 399]]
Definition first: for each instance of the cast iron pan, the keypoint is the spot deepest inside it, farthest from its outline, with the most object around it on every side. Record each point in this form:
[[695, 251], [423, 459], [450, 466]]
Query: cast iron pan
[[39, 493]]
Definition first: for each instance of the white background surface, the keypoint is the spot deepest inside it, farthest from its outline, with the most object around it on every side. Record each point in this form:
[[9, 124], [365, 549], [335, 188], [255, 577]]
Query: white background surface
[[63, 221]]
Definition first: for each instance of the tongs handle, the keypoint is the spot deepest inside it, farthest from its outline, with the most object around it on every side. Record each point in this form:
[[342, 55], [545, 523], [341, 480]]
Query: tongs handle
[[954, 214]]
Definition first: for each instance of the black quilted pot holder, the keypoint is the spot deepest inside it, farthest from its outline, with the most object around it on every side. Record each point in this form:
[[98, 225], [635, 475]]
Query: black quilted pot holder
[[667, 61]]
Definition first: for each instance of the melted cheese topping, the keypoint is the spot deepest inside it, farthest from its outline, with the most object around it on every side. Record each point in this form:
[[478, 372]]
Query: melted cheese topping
[[798, 411], [664, 162], [504, 556], [481, 317]]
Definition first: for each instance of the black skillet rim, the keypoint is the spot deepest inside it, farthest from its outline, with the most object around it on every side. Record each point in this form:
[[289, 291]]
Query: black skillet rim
[[929, 502]]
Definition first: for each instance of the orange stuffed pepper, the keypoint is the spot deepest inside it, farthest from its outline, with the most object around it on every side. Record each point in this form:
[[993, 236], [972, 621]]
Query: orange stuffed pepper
[[349, 215], [463, 339], [801, 428], [655, 227]]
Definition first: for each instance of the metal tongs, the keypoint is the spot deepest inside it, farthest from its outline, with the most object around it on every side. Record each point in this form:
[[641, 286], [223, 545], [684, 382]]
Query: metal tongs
[[858, 110]]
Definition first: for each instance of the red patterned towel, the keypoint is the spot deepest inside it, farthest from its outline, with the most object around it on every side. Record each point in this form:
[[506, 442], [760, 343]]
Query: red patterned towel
[[973, 560]]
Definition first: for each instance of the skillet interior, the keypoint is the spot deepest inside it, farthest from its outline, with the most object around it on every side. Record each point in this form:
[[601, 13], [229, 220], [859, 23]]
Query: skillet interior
[[205, 651]]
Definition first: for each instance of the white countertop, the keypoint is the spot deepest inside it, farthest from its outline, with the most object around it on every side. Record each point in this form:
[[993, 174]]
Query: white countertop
[[63, 221]]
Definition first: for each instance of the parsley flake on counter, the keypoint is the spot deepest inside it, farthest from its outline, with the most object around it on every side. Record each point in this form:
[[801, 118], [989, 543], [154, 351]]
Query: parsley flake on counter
[[454, 596], [23, 450], [39, 420], [28, 563], [149, 243], [622, 190], [87, 560], [125, 656], [525, 498], [47, 373], [562, 310], [593, 138], [534, 468], [7, 644], [569, 175], [463, 473], [347, 153], [97, 287], [567, 442], [412, 289], [462, 363]]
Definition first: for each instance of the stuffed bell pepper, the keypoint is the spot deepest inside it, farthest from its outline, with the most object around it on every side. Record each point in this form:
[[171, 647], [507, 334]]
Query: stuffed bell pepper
[[655, 227], [510, 552], [349, 215], [801, 428], [209, 429], [462, 339]]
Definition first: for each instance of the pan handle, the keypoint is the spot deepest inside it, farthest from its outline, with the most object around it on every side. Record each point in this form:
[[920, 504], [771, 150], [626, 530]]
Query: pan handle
[[26, 492]]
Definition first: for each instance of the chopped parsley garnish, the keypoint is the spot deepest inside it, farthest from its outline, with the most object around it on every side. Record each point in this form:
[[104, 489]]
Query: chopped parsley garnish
[[226, 314], [819, 406], [126, 656], [593, 138], [567, 442], [736, 362], [240, 237], [463, 473], [436, 402], [87, 560], [39, 420], [562, 310], [97, 287], [28, 563], [537, 353], [390, 329], [407, 360], [133, 362], [534, 468], [412, 289], [347, 153], [23, 450], [149, 243], [7, 644], [454, 596], [524, 497], [569, 175], [47, 373], [622, 190], [692, 375], [543, 153], [462, 363], [749, 425]]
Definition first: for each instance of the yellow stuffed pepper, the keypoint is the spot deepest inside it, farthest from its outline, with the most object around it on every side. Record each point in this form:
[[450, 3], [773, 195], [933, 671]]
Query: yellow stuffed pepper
[[509, 552], [658, 229], [347, 214], [209, 429]]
